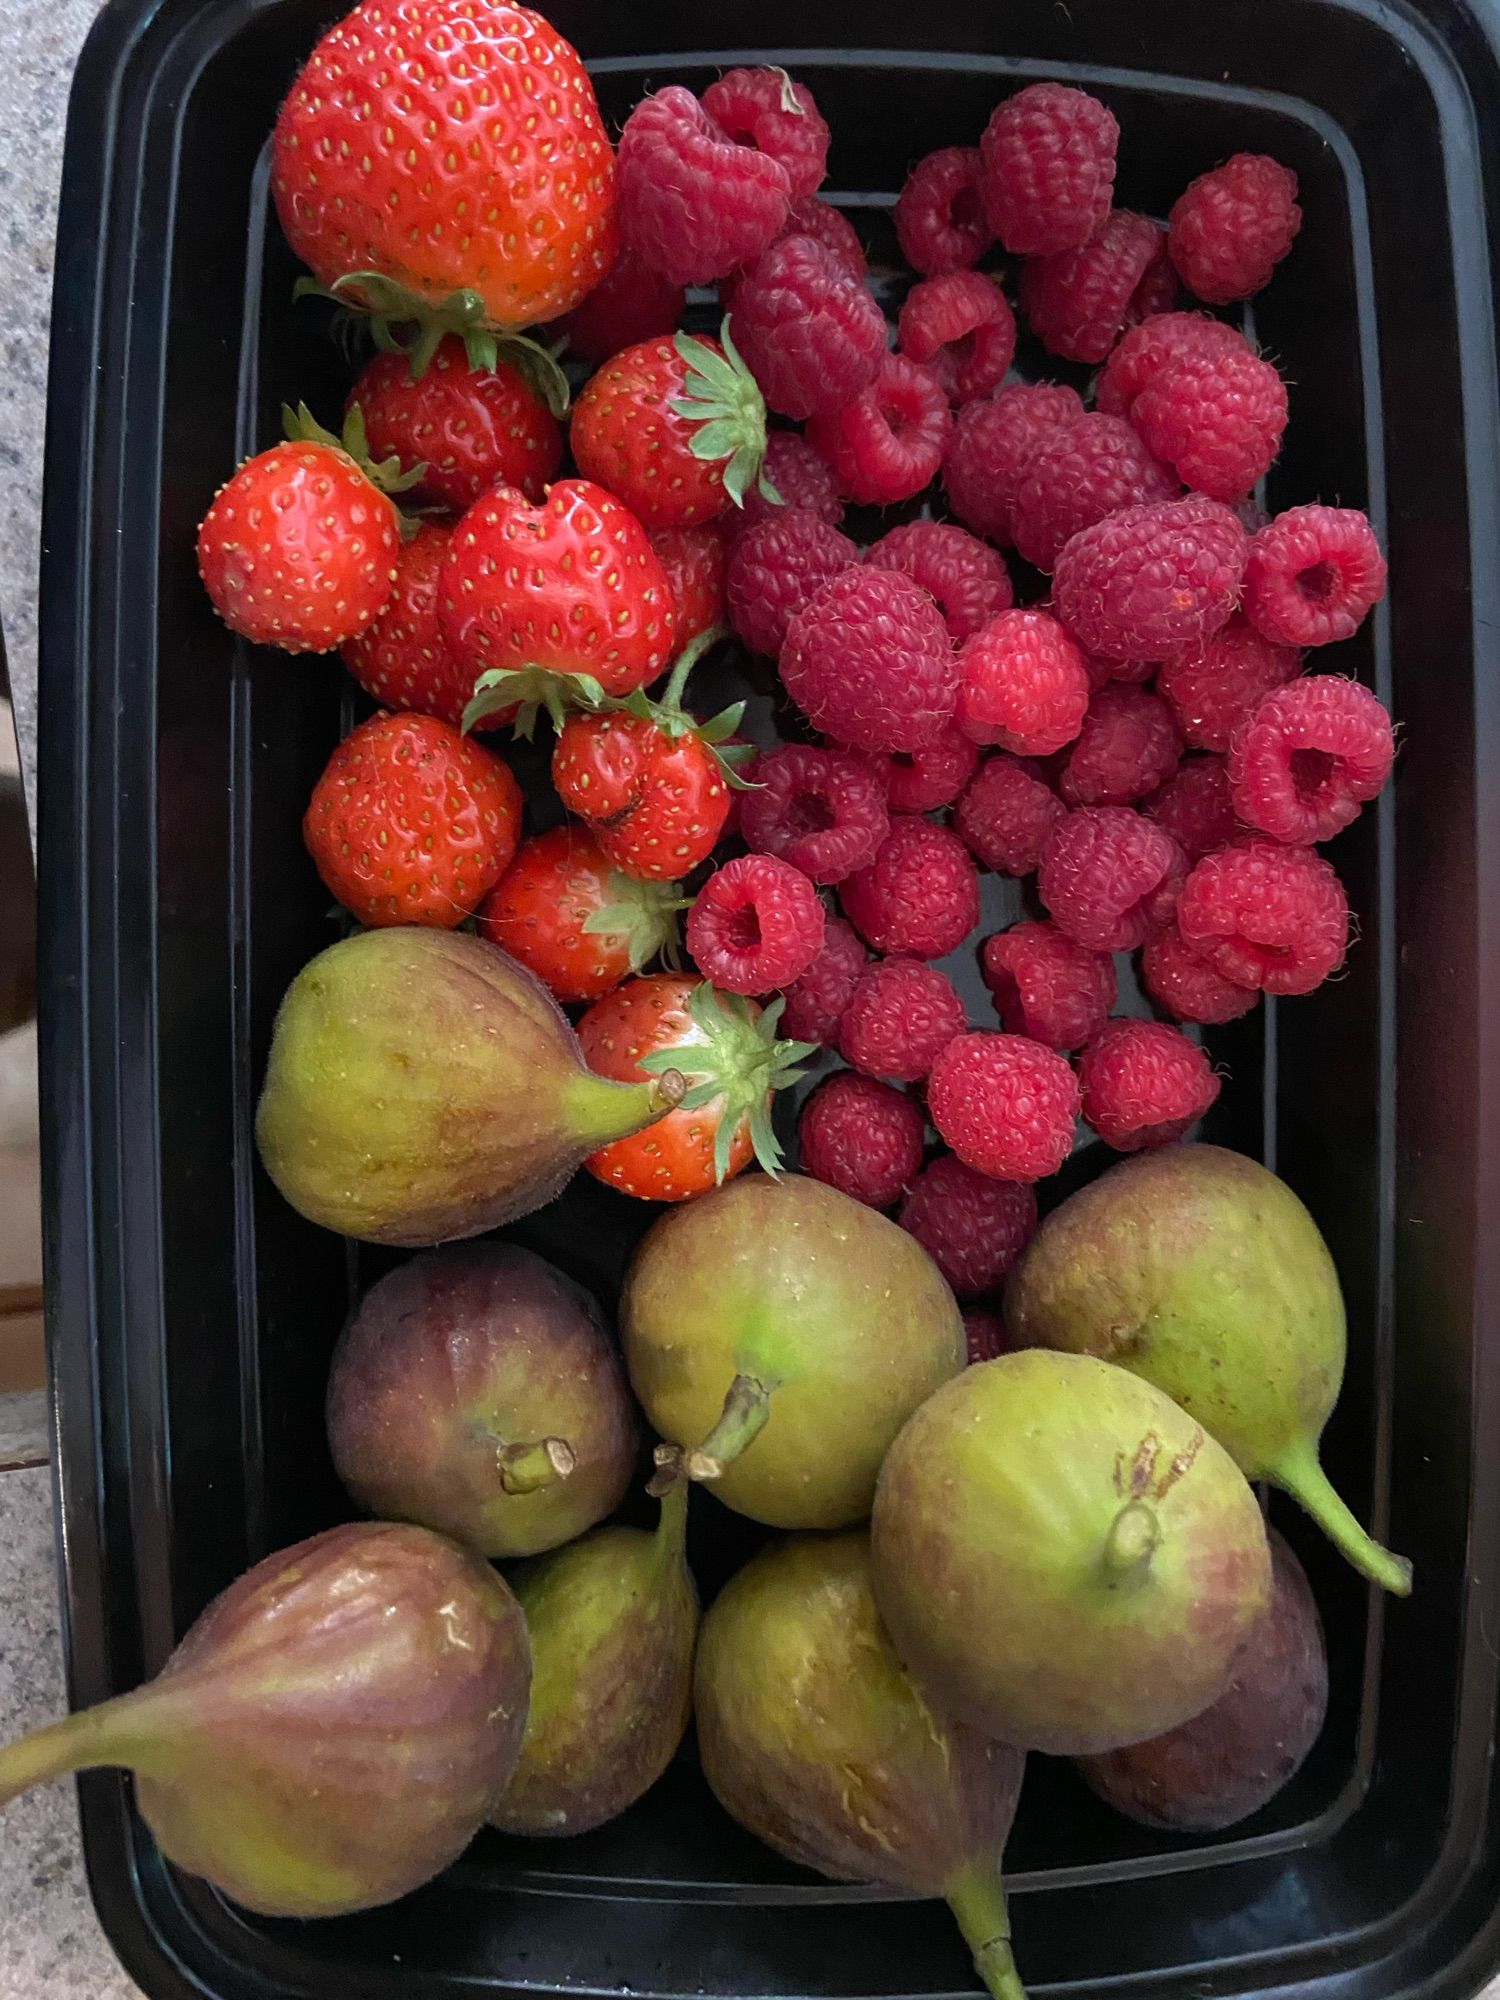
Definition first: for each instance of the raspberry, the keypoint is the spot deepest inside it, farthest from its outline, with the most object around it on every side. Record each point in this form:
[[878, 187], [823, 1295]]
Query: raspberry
[[778, 567], [1006, 815], [985, 1335], [750, 107], [962, 328], [1214, 685], [1077, 475], [1230, 228], [824, 811], [972, 1227], [1150, 346], [694, 560], [900, 1018], [811, 335], [1265, 915], [1077, 301], [692, 203], [1022, 684], [1006, 1105], [940, 220], [1128, 745], [1144, 1084], [923, 780], [1046, 986], [862, 1137], [990, 445], [967, 577], [1217, 419], [1149, 581], [800, 475], [815, 1003], [920, 896], [755, 925], [1047, 168], [1195, 807], [1312, 574], [888, 443], [1108, 877], [1187, 986], [833, 229], [869, 661], [1158, 291], [630, 303], [1309, 757]]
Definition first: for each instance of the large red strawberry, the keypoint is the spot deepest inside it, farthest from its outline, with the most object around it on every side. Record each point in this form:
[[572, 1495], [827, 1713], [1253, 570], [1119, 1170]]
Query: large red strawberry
[[695, 560]]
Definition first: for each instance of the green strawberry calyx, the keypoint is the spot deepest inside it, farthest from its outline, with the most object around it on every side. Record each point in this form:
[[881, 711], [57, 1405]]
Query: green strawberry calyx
[[529, 690], [721, 399], [737, 1069], [644, 914], [674, 721], [386, 475]]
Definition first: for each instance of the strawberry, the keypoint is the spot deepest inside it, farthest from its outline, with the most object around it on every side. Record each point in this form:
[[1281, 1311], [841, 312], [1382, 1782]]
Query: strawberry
[[694, 560], [576, 921], [727, 1049], [412, 823], [401, 658]]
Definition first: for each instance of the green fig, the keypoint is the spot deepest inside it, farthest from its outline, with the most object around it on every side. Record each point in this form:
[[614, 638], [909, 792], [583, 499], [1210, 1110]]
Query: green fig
[[331, 1732], [1200, 1271], [779, 1334], [612, 1621], [423, 1086], [813, 1737], [477, 1391], [1066, 1560]]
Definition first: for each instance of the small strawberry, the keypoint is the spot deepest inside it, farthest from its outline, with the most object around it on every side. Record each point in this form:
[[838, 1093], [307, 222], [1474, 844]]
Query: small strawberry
[[695, 560], [401, 658]]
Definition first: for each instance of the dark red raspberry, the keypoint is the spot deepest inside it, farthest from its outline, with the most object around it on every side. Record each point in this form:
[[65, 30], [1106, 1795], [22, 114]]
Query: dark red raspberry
[[1047, 168], [1150, 346], [778, 567], [833, 229], [811, 335], [1022, 684], [862, 1137], [1149, 581], [1078, 302], [1006, 1105], [1108, 877], [693, 204], [1128, 745], [1144, 1084], [972, 1227], [1265, 915], [888, 443], [1309, 757], [967, 577], [765, 109], [920, 898], [923, 780], [961, 327], [1046, 986], [800, 475], [1312, 574], [902, 1015], [1187, 986], [694, 560], [822, 810], [1217, 419], [1006, 815], [1230, 229], [1077, 475], [1129, 673], [1214, 685], [869, 661], [1158, 291], [815, 1003], [991, 442], [755, 925], [1195, 807], [985, 1334], [630, 303], [940, 219]]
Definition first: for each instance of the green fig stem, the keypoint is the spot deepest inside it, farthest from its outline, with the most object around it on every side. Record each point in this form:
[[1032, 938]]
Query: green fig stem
[[527, 1468], [600, 1110], [1300, 1474], [1131, 1542], [746, 1409], [976, 1896], [114, 1732], [671, 1525]]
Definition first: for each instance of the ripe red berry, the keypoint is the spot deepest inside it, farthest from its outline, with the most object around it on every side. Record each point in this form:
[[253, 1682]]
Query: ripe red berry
[[693, 561], [1047, 168], [899, 1019], [1022, 684], [972, 1227], [1006, 1105], [961, 327], [1147, 348], [1078, 301], [832, 228], [1195, 806], [920, 781], [967, 577], [888, 443], [630, 303], [1185, 985], [869, 662], [920, 896], [755, 925], [766, 110], [862, 1137], [1075, 476], [1046, 986], [985, 1335], [1128, 745], [1231, 227], [1007, 813], [1312, 574], [1214, 685], [1108, 877], [1216, 419], [1144, 1084], [824, 811], [1150, 580], [940, 219], [816, 1001], [401, 658], [813, 336], [693, 203], [991, 443], [800, 475], [1309, 757], [1266, 915], [652, 789], [776, 569]]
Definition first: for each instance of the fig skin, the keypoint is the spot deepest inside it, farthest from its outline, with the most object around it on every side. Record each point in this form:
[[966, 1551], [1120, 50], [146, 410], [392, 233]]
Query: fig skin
[[1198, 1270], [1064, 1559], [1237, 1755], [779, 1334], [477, 1391], [331, 1732]]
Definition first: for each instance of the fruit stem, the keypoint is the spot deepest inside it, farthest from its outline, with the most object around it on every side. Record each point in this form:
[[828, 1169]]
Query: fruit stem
[[671, 1526], [600, 1110], [99, 1735], [976, 1896], [527, 1468], [743, 1418], [1300, 1474], [1131, 1542], [685, 662]]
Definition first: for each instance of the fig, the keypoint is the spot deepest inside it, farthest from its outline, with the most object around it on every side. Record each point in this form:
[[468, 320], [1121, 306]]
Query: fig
[[1235, 1757], [613, 1620], [1065, 1559], [813, 1738], [331, 1732], [778, 1334], [477, 1391], [1200, 1271], [423, 1086]]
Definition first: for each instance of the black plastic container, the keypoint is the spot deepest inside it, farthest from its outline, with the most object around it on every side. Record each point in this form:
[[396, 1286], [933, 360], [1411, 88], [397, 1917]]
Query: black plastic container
[[192, 1313]]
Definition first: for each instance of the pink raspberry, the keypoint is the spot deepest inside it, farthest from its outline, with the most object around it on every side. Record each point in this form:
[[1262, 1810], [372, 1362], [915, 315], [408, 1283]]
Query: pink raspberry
[[1195, 806], [1077, 475], [1108, 877], [1022, 684], [1077, 301], [1187, 986], [752, 108], [1230, 229], [1047, 168], [1144, 1084], [1309, 757], [824, 811], [1215, 685], [815, 1003], [900, 1018], [1217, 419], [1265, 915], [631, 303], [940, 219], [777, 568], [1147, 348], [962, 328], [990, 444], [920, 896], [985, 1335], [1006, 815], [833, 229], [1046, 986], [1149, 581], [1006, 1105], [1158, 291], [862, 1137], [1312, 574], [755, 925], [967, 577], [693, 204], [869, 661], [888, 443], [923, 780], [800, 475], [1128, 745], [811, 335], [972, 1227]]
